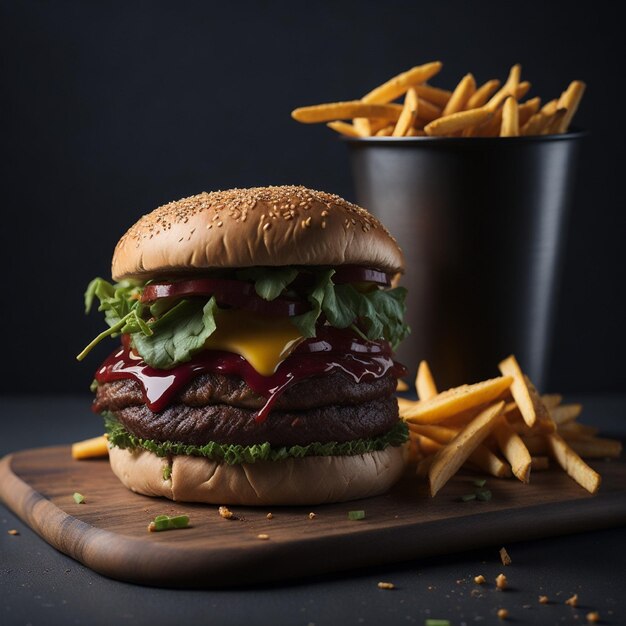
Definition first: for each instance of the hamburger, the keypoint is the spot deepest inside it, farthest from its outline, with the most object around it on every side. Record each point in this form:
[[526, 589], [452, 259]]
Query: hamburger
[[255, 362]]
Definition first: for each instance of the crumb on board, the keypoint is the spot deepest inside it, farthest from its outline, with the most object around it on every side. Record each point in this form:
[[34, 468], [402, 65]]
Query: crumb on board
[[13, 532], [269, 516], [593, 617], [226, 513], [311, 515], [480, 579], [262, 536], [503, 613], [501, 581], [573, 601], [504, 557], [386, 585], [543, 600]]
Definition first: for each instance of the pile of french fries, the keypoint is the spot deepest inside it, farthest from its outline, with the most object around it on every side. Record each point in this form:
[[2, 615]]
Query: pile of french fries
[[501, 427], [488, 110]]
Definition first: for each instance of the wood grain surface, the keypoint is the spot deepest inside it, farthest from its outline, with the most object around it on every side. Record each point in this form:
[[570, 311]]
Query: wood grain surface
[[108, 533]]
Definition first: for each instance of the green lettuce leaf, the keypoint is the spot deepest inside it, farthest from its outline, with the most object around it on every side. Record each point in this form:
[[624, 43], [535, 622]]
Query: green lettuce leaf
[[178, 334], [269, 284], [233, 454]]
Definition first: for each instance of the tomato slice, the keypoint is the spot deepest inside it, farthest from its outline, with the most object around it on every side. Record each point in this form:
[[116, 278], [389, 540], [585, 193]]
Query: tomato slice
[[235, 293]]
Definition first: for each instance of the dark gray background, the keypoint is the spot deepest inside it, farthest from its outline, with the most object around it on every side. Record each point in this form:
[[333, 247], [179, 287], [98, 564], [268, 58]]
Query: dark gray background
[[110, 109]]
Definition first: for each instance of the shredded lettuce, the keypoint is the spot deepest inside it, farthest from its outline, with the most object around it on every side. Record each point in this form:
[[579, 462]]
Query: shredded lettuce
[[167, 333], [233, 454]]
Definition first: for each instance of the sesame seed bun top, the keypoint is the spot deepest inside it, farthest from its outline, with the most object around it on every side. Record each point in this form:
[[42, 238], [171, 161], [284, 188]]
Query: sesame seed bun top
[[248, 227]]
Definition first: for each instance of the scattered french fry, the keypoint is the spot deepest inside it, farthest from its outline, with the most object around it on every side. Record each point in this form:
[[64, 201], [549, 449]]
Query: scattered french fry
[[508, 89], [425, 383], [596, 447], [452, 456], [575, 467], [565, 413], [551, 400], [527, 109], [514, 450], [363, 126], [520, 390], [401, 385], [539, 463], [453, 401], [90, 448]]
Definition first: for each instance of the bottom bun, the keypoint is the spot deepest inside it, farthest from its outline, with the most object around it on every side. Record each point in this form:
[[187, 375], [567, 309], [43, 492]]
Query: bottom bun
[[308, 480]]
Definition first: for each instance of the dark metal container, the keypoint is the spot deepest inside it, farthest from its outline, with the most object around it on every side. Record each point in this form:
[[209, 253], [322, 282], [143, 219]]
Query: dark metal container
[[481, 222]]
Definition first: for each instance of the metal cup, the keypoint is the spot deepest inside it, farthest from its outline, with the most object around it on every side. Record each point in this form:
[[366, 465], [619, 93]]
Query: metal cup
[[481, 222]]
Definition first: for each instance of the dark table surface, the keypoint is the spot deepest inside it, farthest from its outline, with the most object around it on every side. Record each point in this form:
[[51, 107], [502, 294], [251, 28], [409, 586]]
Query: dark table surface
[[39, 585]]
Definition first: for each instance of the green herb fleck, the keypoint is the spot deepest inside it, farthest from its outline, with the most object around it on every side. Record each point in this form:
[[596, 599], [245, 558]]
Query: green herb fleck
[[468, 497], [354, 516], [167, 472], [480, 482], [79, 498], [165, 522], [484, 495], [437, 622]]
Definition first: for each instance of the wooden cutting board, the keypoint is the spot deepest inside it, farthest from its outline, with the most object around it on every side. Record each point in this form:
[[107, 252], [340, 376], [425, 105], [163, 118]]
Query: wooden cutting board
[[108, 533]]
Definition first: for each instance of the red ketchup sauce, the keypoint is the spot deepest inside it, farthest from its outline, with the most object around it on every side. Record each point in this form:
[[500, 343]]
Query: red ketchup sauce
[[331, 350]]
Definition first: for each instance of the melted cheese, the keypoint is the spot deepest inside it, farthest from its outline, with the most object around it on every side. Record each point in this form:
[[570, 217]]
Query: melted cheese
[[262, 340]]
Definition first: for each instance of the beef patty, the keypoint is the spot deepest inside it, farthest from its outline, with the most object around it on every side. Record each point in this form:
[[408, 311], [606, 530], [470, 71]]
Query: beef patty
[[205, 389], [215, 407], [228, 424]]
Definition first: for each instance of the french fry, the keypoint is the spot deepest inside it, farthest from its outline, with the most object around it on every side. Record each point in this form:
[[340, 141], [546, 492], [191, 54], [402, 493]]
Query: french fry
[[435, 95], [508, 89], [575, 467], [408, 115], [428, 446], [551, 400], [399, 84], [510, 118], [363, 126], [345, 110], [424, 382], [457, 121], [539, 463], [536, 124], [527, 109], [481, 95], [401, 385], [596, 447], [450, 458], [555, 122], [574, 430], [514, 450], [569, 100], [565, 413], [415, 132], [482, 457], [529, 404], [427, 111], [461, 94], [522, 89], [549, 108], [91, 448], [490, 128], [385, 132], [423, 466], [450, 402], [344, 128]]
